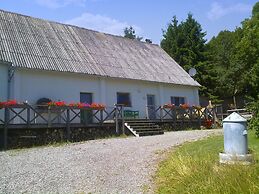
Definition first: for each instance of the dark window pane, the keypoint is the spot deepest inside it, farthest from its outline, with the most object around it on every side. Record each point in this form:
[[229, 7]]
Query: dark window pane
[[173, 100], [177, 100], [182, 101], [124, 98]]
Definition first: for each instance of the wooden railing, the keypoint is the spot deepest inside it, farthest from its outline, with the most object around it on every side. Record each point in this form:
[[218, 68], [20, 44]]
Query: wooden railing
[[178, 113], [26, 116]]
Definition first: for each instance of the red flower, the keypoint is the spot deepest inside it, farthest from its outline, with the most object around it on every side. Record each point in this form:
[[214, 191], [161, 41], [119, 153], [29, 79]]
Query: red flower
[[60, 103], [168, 105], [97, 106], [208, 123], [2, 105], [71, 104], [184, 106], [52, 103], [8, 103]]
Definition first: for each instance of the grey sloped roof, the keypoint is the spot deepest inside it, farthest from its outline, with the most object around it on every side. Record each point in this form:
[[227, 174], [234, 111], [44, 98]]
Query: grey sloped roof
[[39, 44]]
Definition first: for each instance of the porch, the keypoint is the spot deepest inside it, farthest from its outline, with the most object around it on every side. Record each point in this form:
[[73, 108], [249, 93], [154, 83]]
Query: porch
[[25, 116]]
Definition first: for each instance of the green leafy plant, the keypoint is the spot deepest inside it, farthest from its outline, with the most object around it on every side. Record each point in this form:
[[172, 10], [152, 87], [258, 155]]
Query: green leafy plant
[[254, 122]]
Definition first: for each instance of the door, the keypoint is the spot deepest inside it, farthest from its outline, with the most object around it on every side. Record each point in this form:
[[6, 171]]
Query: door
[[151, 106], [86, 115]]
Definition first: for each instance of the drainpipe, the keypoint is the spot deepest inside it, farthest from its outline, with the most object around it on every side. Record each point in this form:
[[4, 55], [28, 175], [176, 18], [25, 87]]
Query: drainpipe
[[11, 71]]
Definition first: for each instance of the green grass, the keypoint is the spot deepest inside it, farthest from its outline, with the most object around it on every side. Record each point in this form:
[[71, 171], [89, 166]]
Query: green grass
[[194, 168]]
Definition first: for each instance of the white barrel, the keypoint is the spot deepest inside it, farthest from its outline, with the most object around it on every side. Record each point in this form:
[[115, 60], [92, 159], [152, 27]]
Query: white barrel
[[235, 135]]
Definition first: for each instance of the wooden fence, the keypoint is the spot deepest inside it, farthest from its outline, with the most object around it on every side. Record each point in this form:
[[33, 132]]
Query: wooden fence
[[178, 113], [26, 116]]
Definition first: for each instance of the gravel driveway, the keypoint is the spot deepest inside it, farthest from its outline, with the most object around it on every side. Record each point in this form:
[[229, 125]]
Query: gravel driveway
[[121, 165]]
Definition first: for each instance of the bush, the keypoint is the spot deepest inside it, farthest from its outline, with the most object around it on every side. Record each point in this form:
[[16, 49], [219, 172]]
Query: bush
[[254, 122]]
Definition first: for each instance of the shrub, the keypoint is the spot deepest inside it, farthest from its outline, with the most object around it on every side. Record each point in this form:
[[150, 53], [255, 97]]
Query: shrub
[[254, 122]]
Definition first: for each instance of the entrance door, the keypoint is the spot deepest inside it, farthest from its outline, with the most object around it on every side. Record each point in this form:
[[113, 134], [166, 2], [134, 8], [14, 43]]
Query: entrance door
[[86, 115], [151, 106]]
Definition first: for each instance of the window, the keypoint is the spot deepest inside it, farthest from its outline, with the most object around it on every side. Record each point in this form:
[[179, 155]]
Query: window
[[124, 98], [177, 100]]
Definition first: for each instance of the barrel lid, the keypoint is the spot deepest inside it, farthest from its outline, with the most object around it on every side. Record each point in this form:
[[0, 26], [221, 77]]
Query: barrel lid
[[234, 117]]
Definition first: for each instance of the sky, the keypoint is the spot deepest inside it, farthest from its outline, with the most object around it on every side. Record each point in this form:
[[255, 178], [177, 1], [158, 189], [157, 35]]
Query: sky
[[148, 17]]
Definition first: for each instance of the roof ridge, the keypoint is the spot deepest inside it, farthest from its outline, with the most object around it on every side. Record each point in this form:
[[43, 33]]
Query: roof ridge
[[80, 27]]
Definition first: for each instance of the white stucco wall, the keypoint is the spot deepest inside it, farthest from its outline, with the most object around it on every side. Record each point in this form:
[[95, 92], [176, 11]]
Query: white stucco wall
[[32, 85], [3, 85], [3, 81]]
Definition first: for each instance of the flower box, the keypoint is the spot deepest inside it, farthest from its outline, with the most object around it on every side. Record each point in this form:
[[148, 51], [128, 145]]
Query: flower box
[[78, 105], [8, 103], [184, 106], [168, 106]]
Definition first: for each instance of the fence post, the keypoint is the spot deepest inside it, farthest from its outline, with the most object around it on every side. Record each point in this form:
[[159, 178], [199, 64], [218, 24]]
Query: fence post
[[49, 116], [101, 116], [214, 115], [161, 113], [175, 117], [222, 117], [147, 115], [28, 115], [206, 113], [123, 121], [116, 119], [68, 124], [199, 117], [6, 122], [190, 115]]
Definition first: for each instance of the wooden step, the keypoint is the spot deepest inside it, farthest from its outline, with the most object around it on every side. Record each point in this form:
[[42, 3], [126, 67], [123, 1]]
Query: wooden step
[[150, 133], [141, 128], [147, 129], [144, 126], [140, 123]]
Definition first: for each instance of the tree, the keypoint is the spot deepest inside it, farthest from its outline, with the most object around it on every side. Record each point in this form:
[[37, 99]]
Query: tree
[[234, 59], [148, 40], [250, 49], [130, 33], [185, 43], [255, 10], [227, 68], [248, 52]]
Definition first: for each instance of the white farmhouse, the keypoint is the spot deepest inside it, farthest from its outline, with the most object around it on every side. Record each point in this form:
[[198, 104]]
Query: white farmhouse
[[43, 59]]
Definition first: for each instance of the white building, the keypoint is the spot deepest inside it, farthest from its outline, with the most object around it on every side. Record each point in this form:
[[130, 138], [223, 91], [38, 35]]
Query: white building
[[63, 62]]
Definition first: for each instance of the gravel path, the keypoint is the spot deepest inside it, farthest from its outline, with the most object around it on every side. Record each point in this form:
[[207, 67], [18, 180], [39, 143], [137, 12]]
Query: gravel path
[[122, 165]]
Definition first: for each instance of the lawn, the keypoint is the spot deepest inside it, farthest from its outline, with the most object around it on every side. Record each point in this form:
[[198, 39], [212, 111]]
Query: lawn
[[194, 168]]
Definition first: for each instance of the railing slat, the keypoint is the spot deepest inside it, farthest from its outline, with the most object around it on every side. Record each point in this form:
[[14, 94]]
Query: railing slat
[[68, 124]]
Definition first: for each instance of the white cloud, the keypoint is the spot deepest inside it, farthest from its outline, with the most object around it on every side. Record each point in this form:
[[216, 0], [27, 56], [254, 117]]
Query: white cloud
[[102, 24], [54, 4], [217, 11]]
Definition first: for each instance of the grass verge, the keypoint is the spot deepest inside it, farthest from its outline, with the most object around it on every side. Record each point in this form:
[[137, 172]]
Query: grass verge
[[194, 168]]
